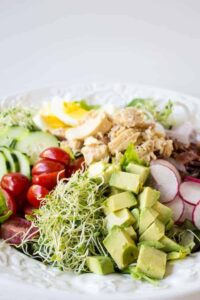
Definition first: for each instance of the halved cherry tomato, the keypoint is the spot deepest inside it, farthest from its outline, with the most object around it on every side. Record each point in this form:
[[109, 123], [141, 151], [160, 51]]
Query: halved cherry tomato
[[47, 166], [56, 154], [35, 193], [69, 171], [14, 230], [78, 164], [10, 202], [49, 180], [15, 183], [21, 200]]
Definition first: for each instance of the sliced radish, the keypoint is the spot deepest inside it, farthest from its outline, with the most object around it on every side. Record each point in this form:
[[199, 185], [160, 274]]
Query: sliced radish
[[190, 192], [193, 179], [187, 213], [167, 179], [177, 207], [196, 216]]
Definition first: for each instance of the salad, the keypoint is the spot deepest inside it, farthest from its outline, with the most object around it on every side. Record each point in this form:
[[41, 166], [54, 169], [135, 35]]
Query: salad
[[100, 189]]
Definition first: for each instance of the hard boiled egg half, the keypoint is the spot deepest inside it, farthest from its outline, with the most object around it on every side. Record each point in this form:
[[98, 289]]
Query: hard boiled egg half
[[59, 113]]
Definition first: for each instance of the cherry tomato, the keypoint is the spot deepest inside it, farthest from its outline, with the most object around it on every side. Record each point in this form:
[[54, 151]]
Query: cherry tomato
[[21, 200], [56, 154], [49, 180], [35, 193], [69, 171], [10, 202], [78, 164], [14, 229], [15, 183], [47, 166]]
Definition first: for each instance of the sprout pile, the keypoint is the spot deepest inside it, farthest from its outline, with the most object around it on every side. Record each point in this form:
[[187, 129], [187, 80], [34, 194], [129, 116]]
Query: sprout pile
[[71, 223], [17, 116]]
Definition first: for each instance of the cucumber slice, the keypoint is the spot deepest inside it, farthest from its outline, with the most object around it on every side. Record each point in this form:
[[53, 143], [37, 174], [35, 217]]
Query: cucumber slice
[[3, 165], [9, 158], [34, 143], [23, 163], [12, 133]]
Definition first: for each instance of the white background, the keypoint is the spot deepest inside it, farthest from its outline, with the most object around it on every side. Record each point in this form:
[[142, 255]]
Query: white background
[[46, 42], [50, 42]]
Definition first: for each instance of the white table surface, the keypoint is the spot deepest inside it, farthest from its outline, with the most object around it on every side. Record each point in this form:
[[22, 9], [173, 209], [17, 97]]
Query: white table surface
[[48, 42]]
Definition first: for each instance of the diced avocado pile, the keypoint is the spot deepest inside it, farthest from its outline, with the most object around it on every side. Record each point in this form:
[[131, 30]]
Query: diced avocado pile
[[137, 226]]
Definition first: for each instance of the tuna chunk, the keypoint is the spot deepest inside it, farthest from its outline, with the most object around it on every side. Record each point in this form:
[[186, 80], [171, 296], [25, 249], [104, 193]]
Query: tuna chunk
[[94, 151], [90, 127], [121, 142], [129, 117]]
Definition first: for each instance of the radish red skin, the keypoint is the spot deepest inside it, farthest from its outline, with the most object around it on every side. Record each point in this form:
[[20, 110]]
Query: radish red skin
[[192, 179]]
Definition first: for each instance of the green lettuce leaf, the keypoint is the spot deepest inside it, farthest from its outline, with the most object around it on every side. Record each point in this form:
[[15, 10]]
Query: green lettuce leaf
[[131, 155], [138, 275], [86, 106], [149, 106]]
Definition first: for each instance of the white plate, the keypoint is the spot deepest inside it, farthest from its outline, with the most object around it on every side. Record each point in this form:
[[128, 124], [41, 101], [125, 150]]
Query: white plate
[[24, 278]]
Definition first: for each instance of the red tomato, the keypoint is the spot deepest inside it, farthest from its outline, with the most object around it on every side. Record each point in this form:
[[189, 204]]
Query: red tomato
[[21, 200], [69, 171], [78, 164], [47, 166], [56, 154], [49, 180], [15, 183], [10, 202], [35, 193], [14, 229]]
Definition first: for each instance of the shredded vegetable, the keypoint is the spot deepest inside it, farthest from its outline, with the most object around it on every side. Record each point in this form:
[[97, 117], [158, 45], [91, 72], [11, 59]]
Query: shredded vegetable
[[71, 223], [17, 116], [149, 106]]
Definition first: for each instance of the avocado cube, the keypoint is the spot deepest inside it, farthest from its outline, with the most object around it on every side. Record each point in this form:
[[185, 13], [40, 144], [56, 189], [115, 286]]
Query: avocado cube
[[136, 213], [170, 245], [121, 217], [114, 190], [154, 233], [120, 201], [121, 247], [169, 224], [125, 181], [147, 217], [164, 212], [100, 265], [148, 197], [102, 170], [152, 262], [131, 231], [142, 171], [153, 244]]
